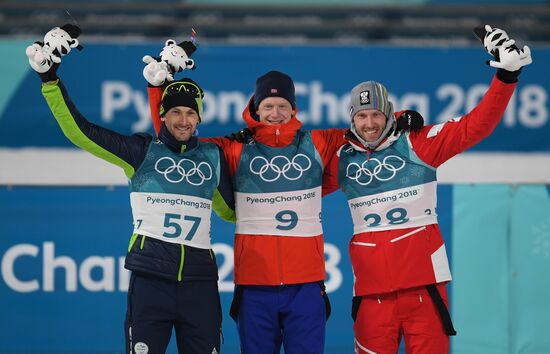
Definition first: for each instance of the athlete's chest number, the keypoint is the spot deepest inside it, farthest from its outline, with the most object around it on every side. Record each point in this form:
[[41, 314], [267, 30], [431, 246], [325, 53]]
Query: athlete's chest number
[[395, 216], [170, 222], [288, 219]]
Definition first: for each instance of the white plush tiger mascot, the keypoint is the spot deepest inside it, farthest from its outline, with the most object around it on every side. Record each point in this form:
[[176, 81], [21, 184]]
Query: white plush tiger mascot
[[58, 42], [173, 58], [494, 38]]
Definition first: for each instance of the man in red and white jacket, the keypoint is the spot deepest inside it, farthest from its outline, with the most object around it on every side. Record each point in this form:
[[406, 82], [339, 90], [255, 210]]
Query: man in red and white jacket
[[397, 251], [279, 245]]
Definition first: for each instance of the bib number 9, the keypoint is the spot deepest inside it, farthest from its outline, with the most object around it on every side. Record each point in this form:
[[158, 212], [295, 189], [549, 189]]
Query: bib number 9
[[287, 218]]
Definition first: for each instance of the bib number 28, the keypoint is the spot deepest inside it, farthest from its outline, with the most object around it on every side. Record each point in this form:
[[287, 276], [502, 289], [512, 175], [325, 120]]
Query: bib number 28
[[394, 216]]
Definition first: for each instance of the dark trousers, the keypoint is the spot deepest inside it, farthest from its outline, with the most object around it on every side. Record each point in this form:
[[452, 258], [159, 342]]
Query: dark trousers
[[155, 306]]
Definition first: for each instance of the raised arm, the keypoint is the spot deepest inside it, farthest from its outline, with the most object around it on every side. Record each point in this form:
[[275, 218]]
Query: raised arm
[[435, 144], [126, 152]]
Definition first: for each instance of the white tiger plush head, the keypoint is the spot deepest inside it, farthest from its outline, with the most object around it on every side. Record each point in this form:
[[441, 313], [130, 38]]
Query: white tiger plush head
[[60, 40], [493, 39], [178, 55]]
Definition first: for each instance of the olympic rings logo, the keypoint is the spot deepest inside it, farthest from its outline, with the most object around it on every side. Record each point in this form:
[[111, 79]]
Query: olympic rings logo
[[278, 166], [382, 171], [184, 169]]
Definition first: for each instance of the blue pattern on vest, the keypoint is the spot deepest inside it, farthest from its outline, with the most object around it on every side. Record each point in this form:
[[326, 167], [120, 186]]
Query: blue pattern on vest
[[266, 169], [393, 168], [194, 173]]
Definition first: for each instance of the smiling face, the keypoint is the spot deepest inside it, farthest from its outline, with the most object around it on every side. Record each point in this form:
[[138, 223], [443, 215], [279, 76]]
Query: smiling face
[[181, 122], [274, 110], [369, 124]]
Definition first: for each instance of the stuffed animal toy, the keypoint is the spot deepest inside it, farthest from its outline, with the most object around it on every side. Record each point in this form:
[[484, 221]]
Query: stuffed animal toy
[[58, 42], [174, 58], [495, 38]]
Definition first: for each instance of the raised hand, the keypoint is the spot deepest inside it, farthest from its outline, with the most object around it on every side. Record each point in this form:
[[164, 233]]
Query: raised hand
[[156, 72], [45, 57], [512, 58], [39, 57], [492, 38]]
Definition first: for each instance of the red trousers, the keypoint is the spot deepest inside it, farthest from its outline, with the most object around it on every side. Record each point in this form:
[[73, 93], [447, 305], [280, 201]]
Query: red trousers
[[382, 320]]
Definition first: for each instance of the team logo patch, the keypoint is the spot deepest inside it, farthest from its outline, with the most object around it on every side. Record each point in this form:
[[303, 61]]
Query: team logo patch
[[364, 97], [141, 348]]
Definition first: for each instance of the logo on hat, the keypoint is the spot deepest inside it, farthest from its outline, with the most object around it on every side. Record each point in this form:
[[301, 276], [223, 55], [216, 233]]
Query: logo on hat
[[364, 97], [273, 90]]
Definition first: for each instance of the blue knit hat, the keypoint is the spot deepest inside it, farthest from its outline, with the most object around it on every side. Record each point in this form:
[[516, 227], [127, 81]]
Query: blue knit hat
[[274, 84]]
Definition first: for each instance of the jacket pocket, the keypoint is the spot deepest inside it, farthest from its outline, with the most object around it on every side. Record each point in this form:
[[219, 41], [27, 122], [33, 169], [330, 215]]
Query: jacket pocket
[[408, 234]]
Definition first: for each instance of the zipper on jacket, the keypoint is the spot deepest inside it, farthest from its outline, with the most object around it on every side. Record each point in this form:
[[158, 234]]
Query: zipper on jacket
[[408, 234], [280, 260], [277, 133], [182, 257]]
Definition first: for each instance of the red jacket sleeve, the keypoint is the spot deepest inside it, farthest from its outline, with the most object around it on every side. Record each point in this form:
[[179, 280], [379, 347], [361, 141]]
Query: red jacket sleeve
[[435, 144], [231, 151], [155, 94], [327, 142], [330, 176]]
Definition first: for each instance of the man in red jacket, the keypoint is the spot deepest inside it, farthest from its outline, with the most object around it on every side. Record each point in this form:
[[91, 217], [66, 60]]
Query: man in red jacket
[[279, 247], [397, 251]]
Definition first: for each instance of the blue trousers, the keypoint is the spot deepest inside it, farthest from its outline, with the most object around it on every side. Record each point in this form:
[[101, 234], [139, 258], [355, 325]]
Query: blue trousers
[[155, 306], [293, 316]]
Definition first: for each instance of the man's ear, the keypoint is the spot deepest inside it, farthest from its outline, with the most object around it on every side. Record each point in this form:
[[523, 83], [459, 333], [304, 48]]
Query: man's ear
[[162, 119]]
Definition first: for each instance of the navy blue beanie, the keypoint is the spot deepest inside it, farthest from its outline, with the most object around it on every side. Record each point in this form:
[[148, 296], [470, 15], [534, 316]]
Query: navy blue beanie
[[274, 84]]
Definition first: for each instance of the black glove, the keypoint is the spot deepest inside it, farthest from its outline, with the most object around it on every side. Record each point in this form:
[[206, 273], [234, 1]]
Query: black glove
[[409, 120], [242, 136], [51, 74]]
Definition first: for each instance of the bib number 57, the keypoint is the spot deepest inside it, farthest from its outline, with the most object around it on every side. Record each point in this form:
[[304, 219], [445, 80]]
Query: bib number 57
[[170, 222]]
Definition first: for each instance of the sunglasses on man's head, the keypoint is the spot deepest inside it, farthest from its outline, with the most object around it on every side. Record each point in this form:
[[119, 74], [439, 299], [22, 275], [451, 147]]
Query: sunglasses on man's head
[[183, 86]]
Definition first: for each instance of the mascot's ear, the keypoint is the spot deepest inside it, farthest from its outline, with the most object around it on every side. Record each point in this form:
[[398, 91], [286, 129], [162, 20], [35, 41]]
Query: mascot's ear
[[170, 42], [190, 63], [73, 43]]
